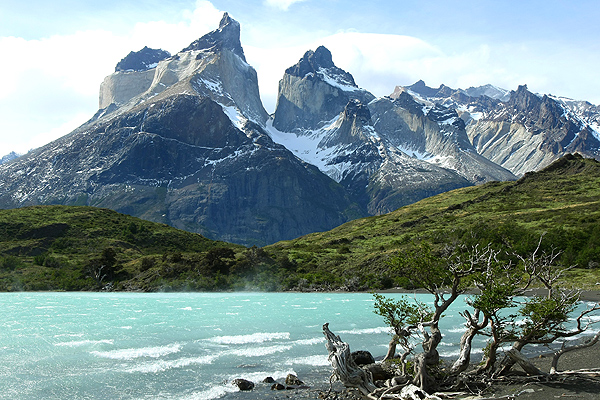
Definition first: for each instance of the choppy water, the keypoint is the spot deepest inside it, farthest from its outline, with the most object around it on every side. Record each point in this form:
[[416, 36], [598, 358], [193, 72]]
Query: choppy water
[[179, 345]]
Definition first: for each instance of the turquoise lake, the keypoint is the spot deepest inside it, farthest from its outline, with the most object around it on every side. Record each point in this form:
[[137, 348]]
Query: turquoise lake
[[184, 346]]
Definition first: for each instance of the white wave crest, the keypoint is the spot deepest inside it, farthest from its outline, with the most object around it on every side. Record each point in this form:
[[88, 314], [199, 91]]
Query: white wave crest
[[130, 354], [309, 342], [78, 343], [317, 361], [260, 351], [214, 392], [164, 365], [366, 331], [253, 338]]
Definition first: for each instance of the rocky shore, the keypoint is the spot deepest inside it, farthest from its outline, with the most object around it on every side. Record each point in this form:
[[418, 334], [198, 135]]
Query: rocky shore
[[316, 385]]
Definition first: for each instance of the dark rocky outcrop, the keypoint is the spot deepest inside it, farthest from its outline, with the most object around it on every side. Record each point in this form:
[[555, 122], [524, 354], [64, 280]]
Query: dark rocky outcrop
[[292, 380], [362, 357], [243, 384], [314, 91], [142, 60], [227, 36]]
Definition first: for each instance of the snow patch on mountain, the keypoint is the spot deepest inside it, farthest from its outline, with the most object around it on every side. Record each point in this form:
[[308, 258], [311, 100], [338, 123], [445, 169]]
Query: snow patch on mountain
[[337, 80], [304, 145]]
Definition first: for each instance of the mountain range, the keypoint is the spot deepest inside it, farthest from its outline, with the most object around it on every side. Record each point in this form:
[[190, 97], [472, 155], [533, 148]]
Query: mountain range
[[184, 140]]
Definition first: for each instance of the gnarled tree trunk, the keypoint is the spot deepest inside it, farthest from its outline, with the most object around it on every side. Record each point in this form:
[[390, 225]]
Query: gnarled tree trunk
[[473, 327], [344, 368]]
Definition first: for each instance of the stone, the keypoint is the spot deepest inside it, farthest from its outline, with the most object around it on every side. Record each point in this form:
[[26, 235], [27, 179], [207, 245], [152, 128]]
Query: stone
[[362, 357], [292, 380], [243, 384]]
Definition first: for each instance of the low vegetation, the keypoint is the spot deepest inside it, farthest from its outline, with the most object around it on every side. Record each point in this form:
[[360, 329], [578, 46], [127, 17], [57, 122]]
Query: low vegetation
[[83, 248], [496, 311]]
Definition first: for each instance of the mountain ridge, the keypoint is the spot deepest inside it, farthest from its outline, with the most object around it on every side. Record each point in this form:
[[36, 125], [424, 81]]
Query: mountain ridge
[[59, 247], [185, 140]]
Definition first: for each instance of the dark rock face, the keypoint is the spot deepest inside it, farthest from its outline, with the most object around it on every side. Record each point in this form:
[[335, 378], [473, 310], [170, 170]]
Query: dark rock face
[[142, 60], [362, 357], [378, 372], [292, 380], [181, 161], [226, 36], [313, 92], [243, 384]]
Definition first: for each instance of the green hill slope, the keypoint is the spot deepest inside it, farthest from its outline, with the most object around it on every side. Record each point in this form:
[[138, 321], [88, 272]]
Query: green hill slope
[[84, 248], [562, 201]]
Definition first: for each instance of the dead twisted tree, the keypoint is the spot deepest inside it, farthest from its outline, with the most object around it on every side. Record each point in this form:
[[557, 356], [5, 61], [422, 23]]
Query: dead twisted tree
[[352, 376], [446, 277]]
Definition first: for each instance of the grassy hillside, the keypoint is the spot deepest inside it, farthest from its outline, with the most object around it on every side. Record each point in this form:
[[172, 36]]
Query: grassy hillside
[[562, 201], [84, 248]]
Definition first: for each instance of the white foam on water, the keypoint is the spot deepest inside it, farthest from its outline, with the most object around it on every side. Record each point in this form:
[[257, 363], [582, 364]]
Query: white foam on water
[[69, 335], [309, 342], [214, 392], [261, 351], [164, 365], [366, 331], [316, 360], [78, 343], [186, 308], [130, 354], [253, 338]]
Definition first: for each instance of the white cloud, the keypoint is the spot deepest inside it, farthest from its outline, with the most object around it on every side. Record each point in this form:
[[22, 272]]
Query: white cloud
[[282, 4], [50, 86]]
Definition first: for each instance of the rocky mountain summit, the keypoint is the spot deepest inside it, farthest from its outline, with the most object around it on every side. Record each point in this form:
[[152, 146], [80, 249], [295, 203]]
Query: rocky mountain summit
[[184, 139], [395, 147], [142, 60], [185, 148], [521, 131], [8, 157], [313, 92]]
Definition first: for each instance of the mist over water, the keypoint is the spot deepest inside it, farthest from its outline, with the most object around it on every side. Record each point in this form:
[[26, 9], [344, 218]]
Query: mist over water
[[180, 345]]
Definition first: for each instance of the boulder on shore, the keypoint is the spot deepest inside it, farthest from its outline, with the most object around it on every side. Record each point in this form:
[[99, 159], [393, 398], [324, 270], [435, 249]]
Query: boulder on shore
[[292, 380], [243, 384]]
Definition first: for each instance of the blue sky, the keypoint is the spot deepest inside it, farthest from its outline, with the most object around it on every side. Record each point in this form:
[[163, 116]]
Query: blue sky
[[56, 54]]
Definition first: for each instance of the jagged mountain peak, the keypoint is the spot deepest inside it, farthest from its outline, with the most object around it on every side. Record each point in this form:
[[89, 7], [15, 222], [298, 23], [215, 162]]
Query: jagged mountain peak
[[311, 61], [522, 99], [8, 157], [142, 60], [422, 89], [403, 99], [313, 92], [227, 36], [319, 63]]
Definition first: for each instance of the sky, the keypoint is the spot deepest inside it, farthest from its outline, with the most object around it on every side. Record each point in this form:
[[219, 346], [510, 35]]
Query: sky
[[55, 54]]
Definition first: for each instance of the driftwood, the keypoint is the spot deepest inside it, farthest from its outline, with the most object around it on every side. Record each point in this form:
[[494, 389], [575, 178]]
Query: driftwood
[[344, 368], [527, 366], [352, 376]]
